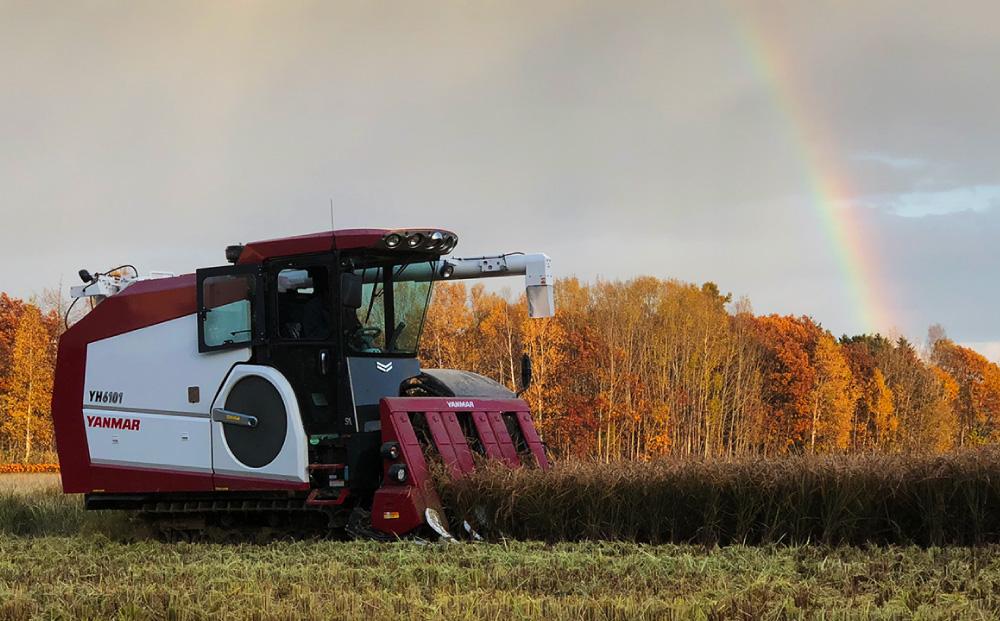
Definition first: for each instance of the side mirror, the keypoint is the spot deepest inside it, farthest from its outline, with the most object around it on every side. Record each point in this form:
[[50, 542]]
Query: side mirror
[[525, 372], [350, 290]]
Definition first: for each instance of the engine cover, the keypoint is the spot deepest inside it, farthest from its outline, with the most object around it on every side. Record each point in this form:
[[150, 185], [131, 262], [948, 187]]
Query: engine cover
[[453, 383]]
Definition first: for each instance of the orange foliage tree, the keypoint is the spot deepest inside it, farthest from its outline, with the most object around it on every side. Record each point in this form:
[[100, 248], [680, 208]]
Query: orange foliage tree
[[976, 402]]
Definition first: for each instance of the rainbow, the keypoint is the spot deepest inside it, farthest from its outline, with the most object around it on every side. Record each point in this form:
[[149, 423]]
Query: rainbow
[[829, 187]]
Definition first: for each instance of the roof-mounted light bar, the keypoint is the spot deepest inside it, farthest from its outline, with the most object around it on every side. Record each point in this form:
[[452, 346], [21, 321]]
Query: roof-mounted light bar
[[434, 241]]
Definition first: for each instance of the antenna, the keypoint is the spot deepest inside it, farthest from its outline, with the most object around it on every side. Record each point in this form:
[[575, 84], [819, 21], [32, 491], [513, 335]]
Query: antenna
[[332, 228]]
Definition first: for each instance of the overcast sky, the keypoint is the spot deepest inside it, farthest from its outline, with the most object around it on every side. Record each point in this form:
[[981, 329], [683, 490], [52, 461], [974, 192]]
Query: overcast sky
[[621, 138]]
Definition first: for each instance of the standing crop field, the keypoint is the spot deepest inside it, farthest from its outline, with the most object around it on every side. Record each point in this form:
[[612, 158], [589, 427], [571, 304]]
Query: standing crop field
[[58, 562], [951, 499]]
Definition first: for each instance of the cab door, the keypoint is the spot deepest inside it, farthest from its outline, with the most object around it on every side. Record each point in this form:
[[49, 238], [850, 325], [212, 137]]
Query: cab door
[[230, 307], [302, 336]]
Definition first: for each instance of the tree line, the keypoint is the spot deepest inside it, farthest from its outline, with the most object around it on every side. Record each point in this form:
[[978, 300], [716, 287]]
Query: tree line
[[647, 367], [638, 369]]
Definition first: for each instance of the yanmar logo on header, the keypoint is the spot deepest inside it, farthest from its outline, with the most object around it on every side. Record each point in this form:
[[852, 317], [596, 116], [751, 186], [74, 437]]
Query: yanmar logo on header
[[113, 422], [461, 404]]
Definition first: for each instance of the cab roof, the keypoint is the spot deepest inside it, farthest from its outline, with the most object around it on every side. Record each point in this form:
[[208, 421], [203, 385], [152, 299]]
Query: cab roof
[[326, 241]]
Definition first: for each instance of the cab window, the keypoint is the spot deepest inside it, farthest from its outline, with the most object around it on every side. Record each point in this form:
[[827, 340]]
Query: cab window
[[226, 310], [387, 321], [304, 304]]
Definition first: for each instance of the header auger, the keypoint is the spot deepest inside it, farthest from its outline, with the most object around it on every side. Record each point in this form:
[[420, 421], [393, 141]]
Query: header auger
[[284, 388]]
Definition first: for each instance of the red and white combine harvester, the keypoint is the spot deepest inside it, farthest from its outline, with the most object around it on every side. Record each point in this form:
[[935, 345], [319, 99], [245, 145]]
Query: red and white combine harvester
[[284, 388]]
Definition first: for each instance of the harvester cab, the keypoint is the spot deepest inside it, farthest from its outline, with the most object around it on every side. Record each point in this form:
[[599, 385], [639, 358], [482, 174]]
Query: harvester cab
[[285, 383]]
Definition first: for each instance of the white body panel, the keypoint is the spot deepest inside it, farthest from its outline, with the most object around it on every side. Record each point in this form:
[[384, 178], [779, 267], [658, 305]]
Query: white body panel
[[161, 442], [292, 462], [145, 376]]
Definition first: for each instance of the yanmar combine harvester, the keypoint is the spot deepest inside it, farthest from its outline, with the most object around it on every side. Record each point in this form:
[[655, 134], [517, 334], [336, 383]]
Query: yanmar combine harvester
[[284, 387]]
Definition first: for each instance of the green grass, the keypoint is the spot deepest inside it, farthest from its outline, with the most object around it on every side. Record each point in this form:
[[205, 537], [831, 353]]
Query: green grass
[[58, 562], [33, 504]]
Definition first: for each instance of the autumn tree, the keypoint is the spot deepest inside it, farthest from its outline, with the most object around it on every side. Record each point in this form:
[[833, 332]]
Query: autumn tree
[[575, 429], [874, 421], [789, 378], [879, 403], [926, 420], [977, 402], [28, 385], [448, 324], [10, 315], [545, 342], [833, 395]]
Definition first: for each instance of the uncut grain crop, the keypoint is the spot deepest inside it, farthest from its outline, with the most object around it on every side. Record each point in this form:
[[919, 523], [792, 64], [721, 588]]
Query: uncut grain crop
[[849, 499]]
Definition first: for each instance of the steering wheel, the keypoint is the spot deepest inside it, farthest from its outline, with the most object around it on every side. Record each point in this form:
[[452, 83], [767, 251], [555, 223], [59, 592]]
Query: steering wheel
[[363, 339]]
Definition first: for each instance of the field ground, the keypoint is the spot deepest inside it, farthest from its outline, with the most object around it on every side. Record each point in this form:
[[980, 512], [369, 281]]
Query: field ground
[[58, 562]]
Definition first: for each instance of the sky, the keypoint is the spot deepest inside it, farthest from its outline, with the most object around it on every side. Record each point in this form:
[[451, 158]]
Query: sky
[[836, 159]]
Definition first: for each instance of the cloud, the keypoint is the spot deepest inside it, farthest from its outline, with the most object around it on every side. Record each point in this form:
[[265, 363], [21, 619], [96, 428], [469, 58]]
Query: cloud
[[976, 198], [892, 161]]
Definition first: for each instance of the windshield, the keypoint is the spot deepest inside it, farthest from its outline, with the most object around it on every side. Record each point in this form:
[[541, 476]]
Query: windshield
[[391, 316]]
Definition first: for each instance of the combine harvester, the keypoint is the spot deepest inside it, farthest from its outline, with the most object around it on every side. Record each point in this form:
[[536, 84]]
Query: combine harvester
[[283, 390]]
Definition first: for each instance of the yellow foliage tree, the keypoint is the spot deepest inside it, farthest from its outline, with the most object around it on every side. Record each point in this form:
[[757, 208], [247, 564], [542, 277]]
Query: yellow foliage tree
[[834, 397], [545, 341], [879, 402], [447, 327], [28, 385]]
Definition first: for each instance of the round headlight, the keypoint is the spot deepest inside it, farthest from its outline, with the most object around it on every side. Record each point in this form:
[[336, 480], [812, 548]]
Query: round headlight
[[390, 450], [392, 240], [447, 270], [436, 240], [398, 473], [414, 240]]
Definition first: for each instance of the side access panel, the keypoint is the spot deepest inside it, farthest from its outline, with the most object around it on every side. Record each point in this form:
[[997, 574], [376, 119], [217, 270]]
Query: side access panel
[[258, 441]]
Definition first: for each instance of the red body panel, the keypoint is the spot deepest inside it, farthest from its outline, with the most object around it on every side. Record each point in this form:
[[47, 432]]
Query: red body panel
[[327, 241]]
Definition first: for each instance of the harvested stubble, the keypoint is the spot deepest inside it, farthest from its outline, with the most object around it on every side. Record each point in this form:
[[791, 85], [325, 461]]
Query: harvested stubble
[[58, 562], [860, 499], [92, 577]]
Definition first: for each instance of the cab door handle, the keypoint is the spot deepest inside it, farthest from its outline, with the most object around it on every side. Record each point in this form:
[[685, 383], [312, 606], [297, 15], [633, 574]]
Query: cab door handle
[[324, 362], [228, 417]]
